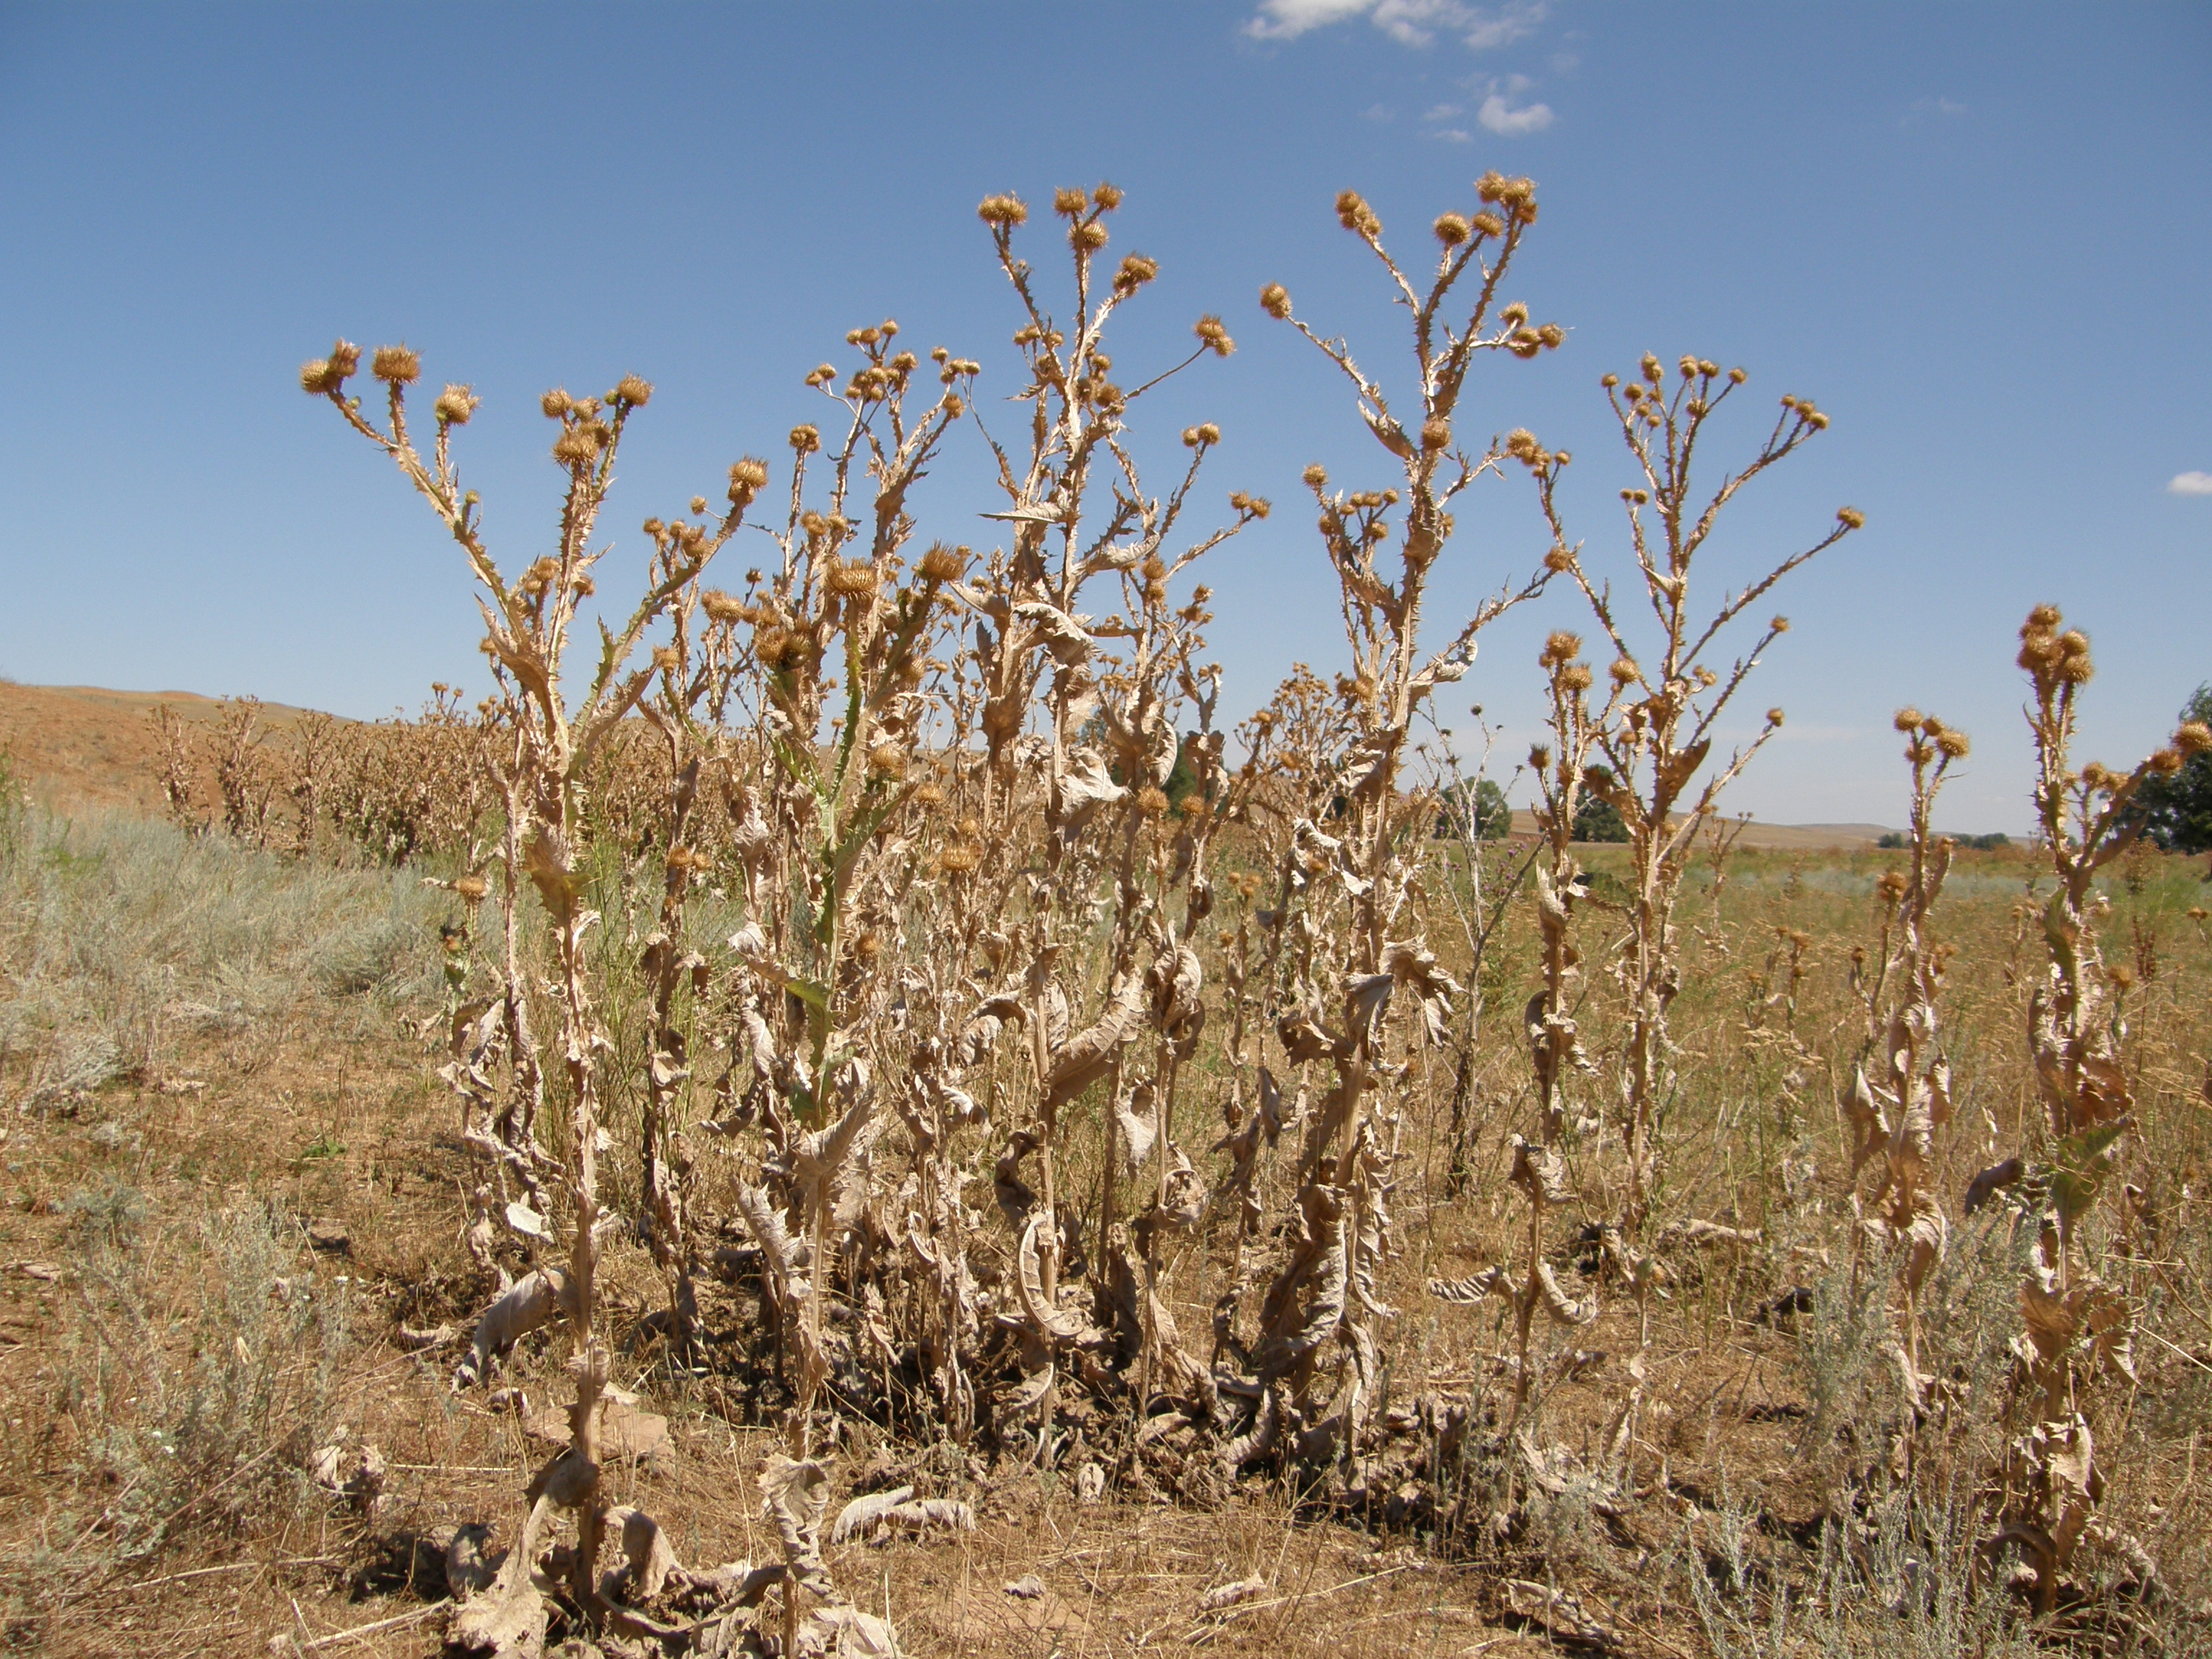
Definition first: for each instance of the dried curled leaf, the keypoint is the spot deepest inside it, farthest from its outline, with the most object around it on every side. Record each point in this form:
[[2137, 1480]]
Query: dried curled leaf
[[521, 1308], [797, 1494]]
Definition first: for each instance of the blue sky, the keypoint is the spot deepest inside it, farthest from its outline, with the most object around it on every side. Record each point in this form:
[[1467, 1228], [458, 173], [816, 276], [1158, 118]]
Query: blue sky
[[1978, 235]]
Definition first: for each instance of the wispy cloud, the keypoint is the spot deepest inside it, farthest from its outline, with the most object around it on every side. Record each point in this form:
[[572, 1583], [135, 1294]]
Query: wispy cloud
[[2190, 484], [1409, 22], [1454, 135], [1440, 112], [1378, 113], [1942, 108], [1509, 120]]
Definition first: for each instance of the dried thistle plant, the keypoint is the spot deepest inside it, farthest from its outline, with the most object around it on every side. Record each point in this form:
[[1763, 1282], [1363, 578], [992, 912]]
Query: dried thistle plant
[[1317, 1358], [1895, 1113], [2080, 1323], [1669, 704], [527, 623]]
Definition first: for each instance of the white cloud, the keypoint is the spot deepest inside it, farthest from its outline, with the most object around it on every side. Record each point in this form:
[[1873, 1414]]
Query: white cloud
[[1378, 113], [1286, 20], [1440, 112], [1454, 135], [1409, 22], [1502, 118], [2190, 484], [1505, 26]]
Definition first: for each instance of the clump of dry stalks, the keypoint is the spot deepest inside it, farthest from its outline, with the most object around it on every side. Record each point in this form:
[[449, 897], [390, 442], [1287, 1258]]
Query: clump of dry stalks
[[2080, 1323], [955, 912]]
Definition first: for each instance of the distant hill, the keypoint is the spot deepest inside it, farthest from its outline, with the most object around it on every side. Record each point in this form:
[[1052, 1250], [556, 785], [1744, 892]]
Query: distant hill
[[1780, 837], [80, 745]]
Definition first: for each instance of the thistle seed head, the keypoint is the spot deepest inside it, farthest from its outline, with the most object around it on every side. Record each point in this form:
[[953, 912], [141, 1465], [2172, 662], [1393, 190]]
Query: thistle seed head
[[942, 564], [632, 391], [1907, 719], [1105, 197], [1005, 211], [1087, 237], [1452, 230], [455, 404], [577, 445], [2193, 738], [396, 365], [1275, 300], [1353, 214], [748, 477], [1435, 432], [1315, 477], [1850, 518], [1069, 203], [1136, 270], [1213, 336], [806, 440]]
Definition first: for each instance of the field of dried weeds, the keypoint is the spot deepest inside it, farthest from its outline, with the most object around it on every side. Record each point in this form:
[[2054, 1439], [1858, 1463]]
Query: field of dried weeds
[[861, 1120]]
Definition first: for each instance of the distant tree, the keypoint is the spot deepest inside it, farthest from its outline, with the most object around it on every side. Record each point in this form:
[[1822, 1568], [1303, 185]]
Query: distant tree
[[1890, 839], [1482, 806], [2177, 806], [1598, 820]]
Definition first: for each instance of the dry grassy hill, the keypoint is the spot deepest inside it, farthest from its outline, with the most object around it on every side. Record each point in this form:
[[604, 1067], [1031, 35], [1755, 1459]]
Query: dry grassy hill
[[82, 745]]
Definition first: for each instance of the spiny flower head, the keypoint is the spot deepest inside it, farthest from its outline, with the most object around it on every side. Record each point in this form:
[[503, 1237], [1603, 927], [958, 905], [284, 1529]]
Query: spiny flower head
[[455, 404], [1353, 214], [632, 391], [1275, 300], [748, 477], [942, 563], [1452, 230], [1213, 336], [1850, 518], [1136, 270], [1004, 211], [396, 365]]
